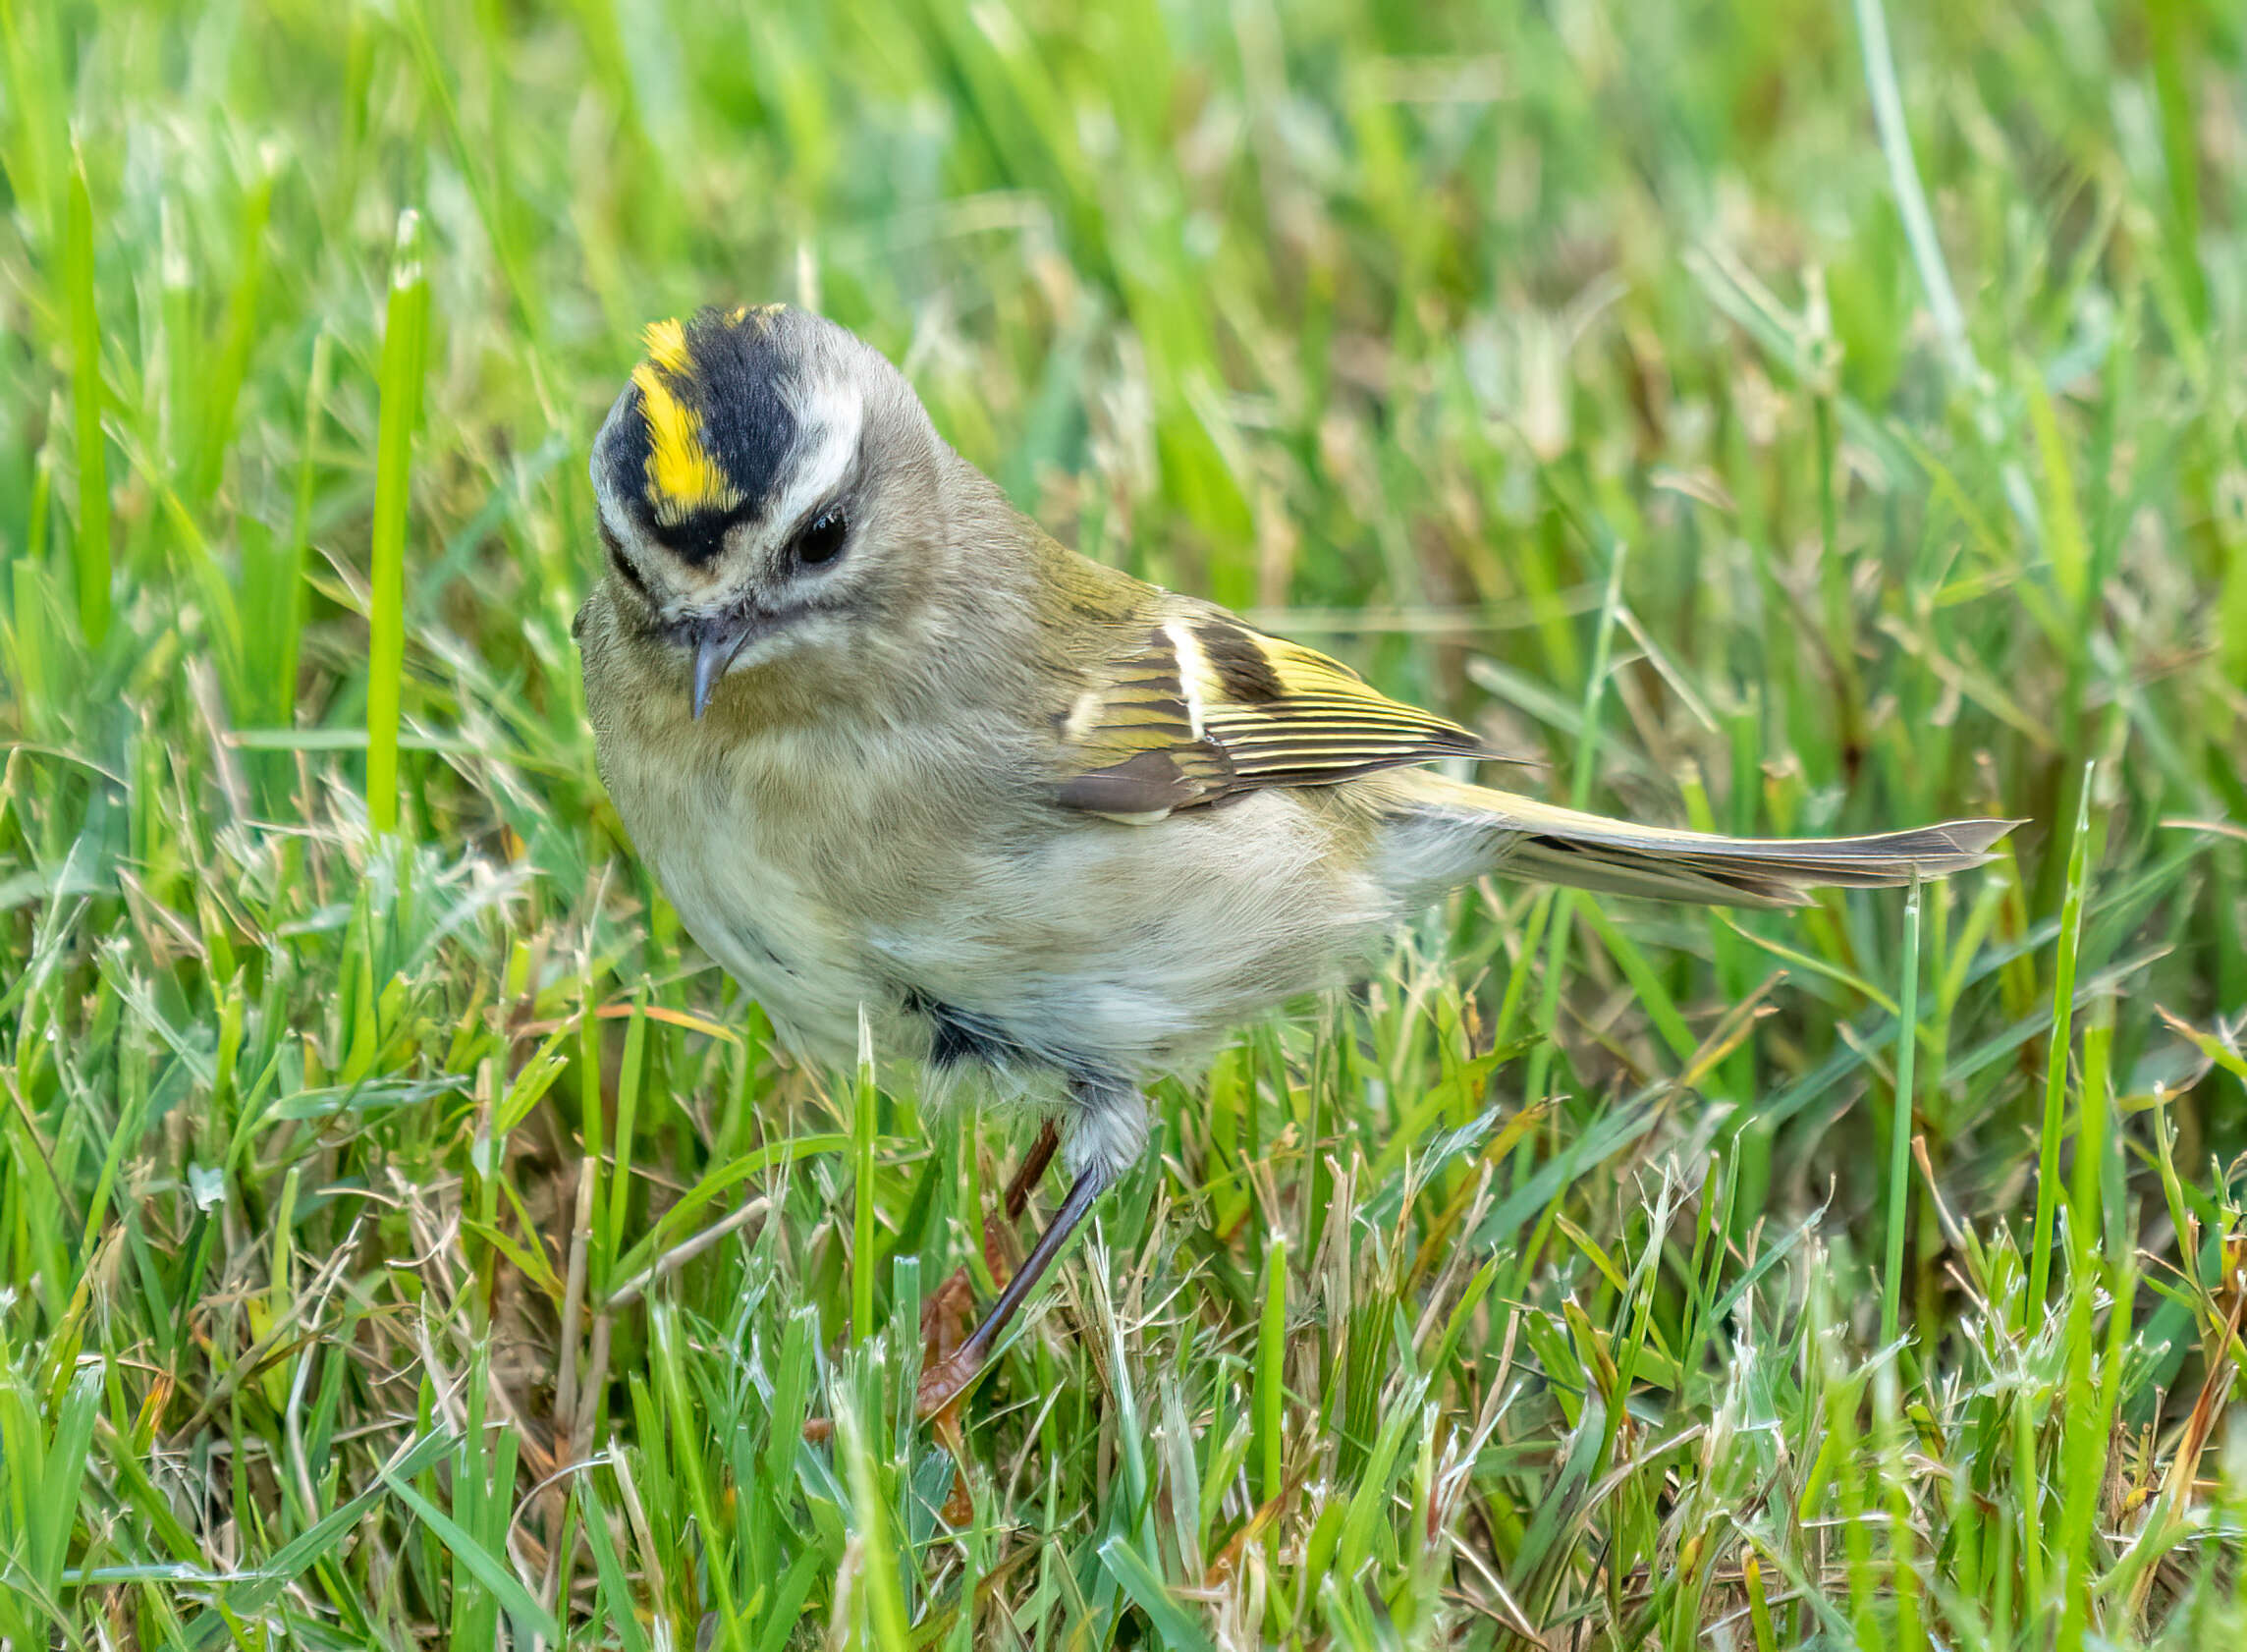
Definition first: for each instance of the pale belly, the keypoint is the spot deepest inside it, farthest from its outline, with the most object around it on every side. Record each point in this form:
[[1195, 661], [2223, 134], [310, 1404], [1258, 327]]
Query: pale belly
[[786, 950], [1065, 946]]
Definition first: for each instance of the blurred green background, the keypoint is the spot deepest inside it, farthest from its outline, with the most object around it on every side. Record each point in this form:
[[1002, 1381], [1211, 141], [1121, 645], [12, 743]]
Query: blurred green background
[[1784, 416]]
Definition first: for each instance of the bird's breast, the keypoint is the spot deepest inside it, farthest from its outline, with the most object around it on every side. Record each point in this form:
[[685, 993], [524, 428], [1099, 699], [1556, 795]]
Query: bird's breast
[[784, 850]]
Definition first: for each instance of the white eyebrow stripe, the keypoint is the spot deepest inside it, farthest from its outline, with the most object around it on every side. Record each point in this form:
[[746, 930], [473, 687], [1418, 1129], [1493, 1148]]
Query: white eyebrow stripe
[[829, 419]]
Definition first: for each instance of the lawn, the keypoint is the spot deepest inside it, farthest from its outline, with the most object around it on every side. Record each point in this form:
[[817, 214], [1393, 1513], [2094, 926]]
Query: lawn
[[1784, 416]]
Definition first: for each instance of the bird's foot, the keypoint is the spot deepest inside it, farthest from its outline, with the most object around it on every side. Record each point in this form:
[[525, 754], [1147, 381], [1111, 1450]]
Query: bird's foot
[[946, 1317], [946, 1383]]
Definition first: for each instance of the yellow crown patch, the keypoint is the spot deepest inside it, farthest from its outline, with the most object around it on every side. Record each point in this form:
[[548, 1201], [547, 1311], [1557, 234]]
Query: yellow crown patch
[[682, 477], [666, 343]]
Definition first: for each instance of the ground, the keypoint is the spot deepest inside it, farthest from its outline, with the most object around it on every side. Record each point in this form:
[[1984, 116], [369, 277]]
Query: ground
[[1790, 415]]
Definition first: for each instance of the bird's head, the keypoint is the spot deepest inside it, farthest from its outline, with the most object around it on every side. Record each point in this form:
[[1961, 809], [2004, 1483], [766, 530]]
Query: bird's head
[[767, 484]]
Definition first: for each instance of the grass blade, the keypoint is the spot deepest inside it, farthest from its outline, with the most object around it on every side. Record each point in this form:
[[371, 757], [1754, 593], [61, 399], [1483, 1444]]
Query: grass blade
[[884, 1608], [1174, 1626], [491, 1571], [2057, 1055], [1902, 1123], [865, 1098], [91, 549], [1270, 1373], [404, 344]]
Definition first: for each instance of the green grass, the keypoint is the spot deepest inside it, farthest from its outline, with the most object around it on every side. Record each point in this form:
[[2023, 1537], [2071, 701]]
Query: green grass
[[1783, 416]]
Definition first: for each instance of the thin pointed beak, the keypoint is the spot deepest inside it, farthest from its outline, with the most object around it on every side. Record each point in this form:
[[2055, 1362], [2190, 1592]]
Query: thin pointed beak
[[720, 642]]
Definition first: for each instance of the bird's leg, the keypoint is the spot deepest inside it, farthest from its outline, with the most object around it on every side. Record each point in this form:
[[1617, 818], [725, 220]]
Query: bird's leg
[[1108, 1131], [947, 1307], [1034, 1166], [944, 1382], [948, 1311]]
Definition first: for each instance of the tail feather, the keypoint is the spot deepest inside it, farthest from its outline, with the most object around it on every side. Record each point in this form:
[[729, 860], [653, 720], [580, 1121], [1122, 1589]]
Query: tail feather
[[1554, 844]]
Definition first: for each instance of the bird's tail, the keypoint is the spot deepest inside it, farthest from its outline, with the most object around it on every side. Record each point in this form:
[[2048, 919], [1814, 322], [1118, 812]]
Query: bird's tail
[[1554, 844]]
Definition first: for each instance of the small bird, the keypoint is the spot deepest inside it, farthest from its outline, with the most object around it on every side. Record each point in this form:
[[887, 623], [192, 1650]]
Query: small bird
[[903, 762]]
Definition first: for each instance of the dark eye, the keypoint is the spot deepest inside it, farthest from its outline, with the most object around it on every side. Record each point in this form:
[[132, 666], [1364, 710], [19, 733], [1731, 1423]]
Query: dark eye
[[822, 540]]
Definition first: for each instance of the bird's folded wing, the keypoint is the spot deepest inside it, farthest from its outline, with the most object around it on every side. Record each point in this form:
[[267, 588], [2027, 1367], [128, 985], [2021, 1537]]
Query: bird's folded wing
[[1199, 707]]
